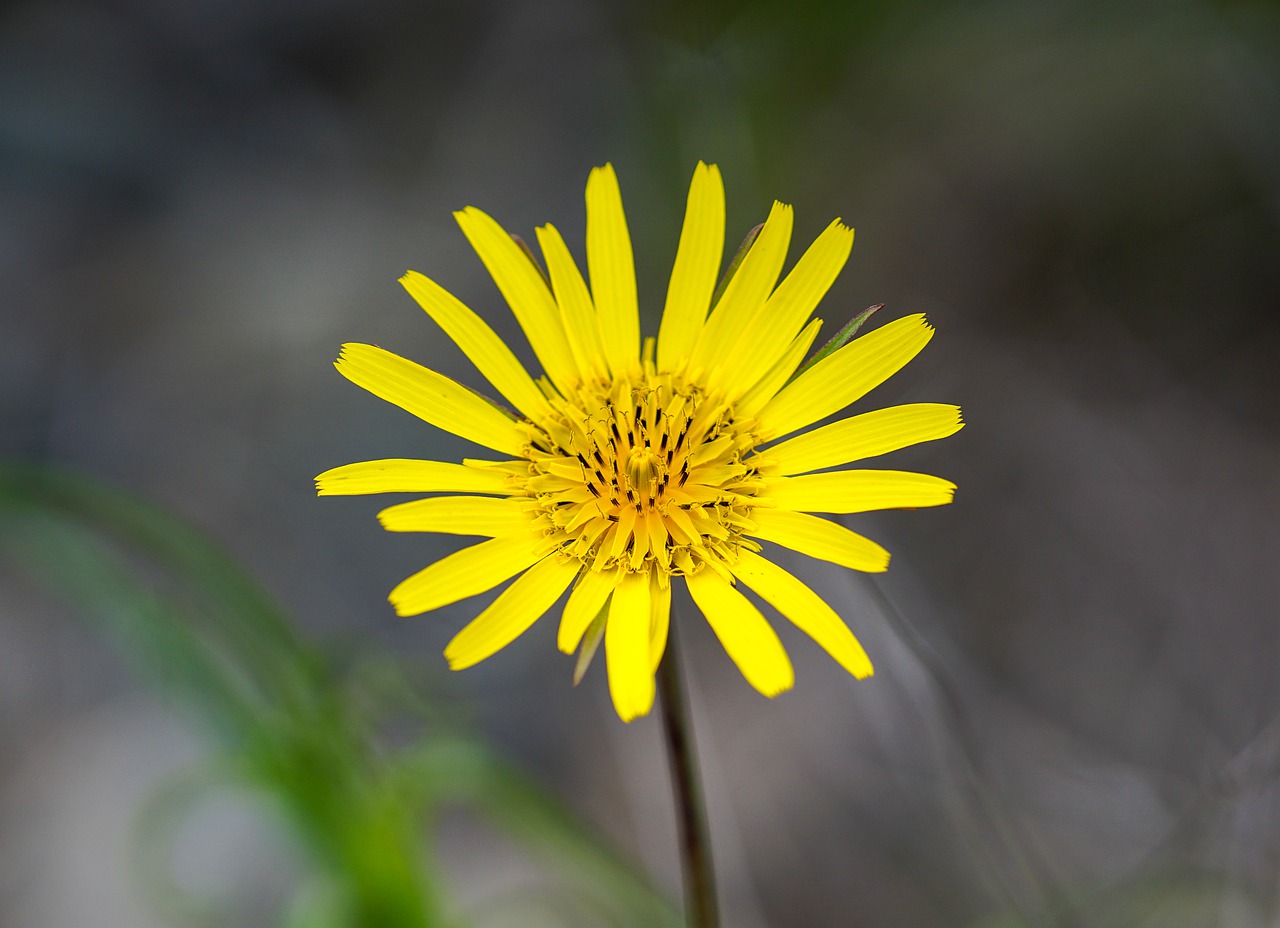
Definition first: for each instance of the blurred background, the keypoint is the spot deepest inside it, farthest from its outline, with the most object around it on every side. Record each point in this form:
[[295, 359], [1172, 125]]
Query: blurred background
[[1074, 719]]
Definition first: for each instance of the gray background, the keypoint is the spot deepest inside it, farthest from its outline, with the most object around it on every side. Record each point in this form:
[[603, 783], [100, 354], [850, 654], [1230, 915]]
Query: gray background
[[1076, 689]]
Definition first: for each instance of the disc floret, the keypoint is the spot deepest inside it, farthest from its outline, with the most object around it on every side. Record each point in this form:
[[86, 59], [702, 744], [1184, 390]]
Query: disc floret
[[643, 474]]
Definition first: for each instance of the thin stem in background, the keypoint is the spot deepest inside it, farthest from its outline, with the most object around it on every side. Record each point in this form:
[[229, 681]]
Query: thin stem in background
[[691, 818], [1034, 871]]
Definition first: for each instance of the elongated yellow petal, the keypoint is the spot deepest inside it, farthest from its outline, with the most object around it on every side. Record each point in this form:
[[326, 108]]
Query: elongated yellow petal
[[481, 344], [467, 572], [613, 271], [430, 396], [767, 386], [858, 491], [750, 641], [512, 613], [765, 338], [459, 515], [806, 609], [659, 620], [630, 463], [748, 289], [585, 602], [820, 538], [626, 645], [525, 292], [845, 375], [577, 313], [403, 475], [697, 268], [865, 436]]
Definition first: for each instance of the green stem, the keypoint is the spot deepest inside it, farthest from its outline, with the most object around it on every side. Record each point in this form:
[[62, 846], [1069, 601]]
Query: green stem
[[691, 818]]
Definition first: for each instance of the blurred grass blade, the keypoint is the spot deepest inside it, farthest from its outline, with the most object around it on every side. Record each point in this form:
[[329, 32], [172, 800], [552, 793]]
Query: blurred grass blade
[[203, 630], [165, 589]]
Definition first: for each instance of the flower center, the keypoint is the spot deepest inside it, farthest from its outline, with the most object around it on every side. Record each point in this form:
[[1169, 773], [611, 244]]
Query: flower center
[[643, 475]]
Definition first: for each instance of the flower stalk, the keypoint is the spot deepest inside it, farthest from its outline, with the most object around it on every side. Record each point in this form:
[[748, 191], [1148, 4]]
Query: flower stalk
[[697, 871]]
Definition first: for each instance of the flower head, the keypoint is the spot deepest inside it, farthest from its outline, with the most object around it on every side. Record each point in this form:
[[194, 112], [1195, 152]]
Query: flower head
[[628, 467]]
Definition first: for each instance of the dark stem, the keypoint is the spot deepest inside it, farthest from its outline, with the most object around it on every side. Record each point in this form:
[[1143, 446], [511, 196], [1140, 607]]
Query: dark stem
[[691, 818]]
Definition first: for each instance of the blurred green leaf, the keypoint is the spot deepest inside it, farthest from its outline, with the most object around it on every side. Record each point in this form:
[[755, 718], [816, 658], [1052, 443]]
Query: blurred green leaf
[[203, 631]]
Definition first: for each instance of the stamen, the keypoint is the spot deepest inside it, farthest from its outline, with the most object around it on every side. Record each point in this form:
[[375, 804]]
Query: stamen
[[660, 482]]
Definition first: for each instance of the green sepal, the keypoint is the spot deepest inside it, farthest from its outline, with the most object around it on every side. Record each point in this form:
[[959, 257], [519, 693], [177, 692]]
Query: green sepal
[[591, 642], [505, 410], [838, 340], [533, 259], [747, 242]]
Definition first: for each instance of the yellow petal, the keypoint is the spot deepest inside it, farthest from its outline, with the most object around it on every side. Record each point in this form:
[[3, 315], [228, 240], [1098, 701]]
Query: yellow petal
[[481, 344], [697, 268], [659, 620], [585, 602], [577, 314], [820, 538], [626, 645], [858, 491], [806, 609], [467, 572], [750, 641], [459, 515], [765, 338], [402, 475], [525, 292], [429, 396], [865, 436], [748, 289], [613, 271], [767, 386], [844, 376], [512, 613]]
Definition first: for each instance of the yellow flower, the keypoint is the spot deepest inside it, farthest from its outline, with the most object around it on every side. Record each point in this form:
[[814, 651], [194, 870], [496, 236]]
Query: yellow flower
[[623, 469]]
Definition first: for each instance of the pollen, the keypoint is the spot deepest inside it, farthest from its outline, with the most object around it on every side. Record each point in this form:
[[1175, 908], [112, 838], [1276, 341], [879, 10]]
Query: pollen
[[643, 474]]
